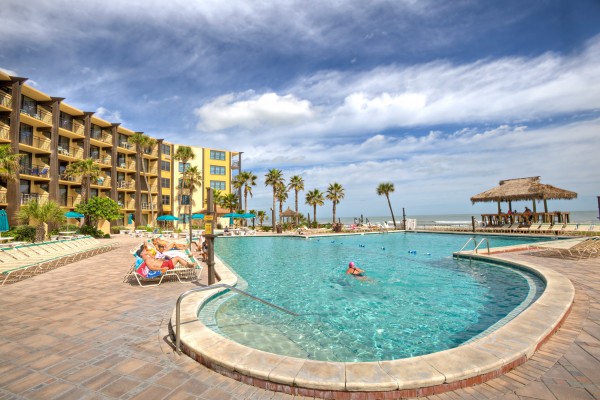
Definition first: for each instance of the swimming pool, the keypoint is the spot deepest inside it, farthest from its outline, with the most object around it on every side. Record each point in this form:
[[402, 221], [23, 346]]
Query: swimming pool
[[414, 303]]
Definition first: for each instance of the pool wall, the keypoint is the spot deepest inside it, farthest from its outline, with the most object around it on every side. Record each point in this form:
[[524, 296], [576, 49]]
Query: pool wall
[[467, 365]]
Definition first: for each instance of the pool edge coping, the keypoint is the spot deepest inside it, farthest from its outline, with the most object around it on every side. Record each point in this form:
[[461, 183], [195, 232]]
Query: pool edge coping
[[475, 362]]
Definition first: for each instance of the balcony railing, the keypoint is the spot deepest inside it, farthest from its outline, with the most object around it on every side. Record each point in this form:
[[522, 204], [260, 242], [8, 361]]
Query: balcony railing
[[78, 128], [3, 198], [104, 182], [65, 177], [101, 136], [235, 165], [128, 184], [71, 151], [5, 99], [27, 197], [39, 113], [4, 132], [127, 145], [35, 141], [69, 201], [146, 205], [35, 170], [151, 152]]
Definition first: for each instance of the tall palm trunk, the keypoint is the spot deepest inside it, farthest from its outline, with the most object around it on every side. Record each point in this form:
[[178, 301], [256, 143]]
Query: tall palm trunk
[[392, 211], [315, 216], [297, 221], [274, 221], [334, 204]]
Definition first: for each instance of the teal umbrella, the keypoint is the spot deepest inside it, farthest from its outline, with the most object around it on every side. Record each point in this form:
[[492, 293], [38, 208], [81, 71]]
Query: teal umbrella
[[3, 222], [197, 216], [167, 218], [247, 215], [73, 214], [233, 215]]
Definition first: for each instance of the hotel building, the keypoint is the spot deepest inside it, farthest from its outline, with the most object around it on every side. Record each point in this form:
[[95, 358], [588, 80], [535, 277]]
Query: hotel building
[[51, 134]]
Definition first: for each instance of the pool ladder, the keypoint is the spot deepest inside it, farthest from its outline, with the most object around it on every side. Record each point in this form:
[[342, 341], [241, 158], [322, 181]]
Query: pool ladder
[[204, 288], [477, 244]]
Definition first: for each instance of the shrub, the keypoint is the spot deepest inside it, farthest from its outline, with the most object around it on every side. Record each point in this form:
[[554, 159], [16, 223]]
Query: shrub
[[116, 229], [91, 231], [107, 236], [23, 233]]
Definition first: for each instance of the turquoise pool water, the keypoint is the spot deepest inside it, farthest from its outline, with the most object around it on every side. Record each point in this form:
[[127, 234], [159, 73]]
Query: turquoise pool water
[[416, 298]]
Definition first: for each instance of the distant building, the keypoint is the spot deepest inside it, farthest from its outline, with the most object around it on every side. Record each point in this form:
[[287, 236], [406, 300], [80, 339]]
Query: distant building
[[52, 134]]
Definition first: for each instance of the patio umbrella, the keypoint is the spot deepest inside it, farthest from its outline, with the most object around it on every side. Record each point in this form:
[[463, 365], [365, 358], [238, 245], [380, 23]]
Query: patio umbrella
[[3, 222], [73, 214], [167, 218], [233, 215], [247, 215], [197, 216]]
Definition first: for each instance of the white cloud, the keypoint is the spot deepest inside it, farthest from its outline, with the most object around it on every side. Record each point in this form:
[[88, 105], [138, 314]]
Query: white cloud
[[251, 112], [108, 115]]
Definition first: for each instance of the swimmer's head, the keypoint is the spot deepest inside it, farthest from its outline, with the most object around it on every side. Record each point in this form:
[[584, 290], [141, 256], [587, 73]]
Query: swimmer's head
[[351, 264]]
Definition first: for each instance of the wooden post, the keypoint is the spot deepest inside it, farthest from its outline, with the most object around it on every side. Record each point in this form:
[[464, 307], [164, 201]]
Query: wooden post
[[210, 237]]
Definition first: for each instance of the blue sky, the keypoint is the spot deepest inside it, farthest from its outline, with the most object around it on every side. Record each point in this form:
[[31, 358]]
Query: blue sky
[[443, 99]]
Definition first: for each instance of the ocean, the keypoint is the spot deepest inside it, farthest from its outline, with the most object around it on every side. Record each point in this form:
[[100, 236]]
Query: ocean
[[578, 217]]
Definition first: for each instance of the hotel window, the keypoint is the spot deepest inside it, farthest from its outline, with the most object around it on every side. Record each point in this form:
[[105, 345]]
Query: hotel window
[[29, 106], [217, 155], [184, 167], [165, 166], [26, 134], [219, 185], [165, 183], [166, 200], [66, 121], [185, 200], [166, 149], [96, 132], [94, 152], [216, 170]]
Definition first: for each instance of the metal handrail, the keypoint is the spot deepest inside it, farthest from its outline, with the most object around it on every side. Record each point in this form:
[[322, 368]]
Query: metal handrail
[[204, 288], [468, 241], [479, 244]]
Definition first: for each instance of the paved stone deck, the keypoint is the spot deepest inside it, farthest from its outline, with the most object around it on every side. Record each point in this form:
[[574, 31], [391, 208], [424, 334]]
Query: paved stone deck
[[78, 332]]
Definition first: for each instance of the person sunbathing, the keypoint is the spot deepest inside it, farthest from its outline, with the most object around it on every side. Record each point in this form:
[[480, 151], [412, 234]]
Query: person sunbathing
[[162, 264], [165, 245]]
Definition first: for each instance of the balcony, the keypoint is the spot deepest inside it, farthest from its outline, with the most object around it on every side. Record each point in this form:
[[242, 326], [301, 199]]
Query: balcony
[[73, 179], [78, 128], [38, 117], [35, 170], [127, 146], [27, 197], [3, 198], [72, 127], [103, 137], [146, 206], [5, 101], [4, 132], [69, 201], [38, 144], [103, 182], [126, 184], [103, 159], [70, 151], [235, 165], [151, 152]]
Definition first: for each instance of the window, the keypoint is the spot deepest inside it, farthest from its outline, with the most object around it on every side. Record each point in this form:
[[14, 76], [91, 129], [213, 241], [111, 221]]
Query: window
[[26, 134], [29, 106], [165, 166], [216, 170], [183, 167], [166, 149], [184, 218], [94, 152], [66, 121], [165, 183], [185, 199], [219, 185], [217, 155], [166, 200], [96, 132]]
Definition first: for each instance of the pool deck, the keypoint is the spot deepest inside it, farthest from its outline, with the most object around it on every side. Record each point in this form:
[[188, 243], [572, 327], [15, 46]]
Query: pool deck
[[80, 332]]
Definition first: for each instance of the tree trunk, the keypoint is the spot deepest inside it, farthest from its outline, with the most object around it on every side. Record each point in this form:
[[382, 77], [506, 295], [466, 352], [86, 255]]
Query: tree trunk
[[190, 220], [297, 221], [334, 203], [315, 216], [390, 205], [273, 209], [40, 232]]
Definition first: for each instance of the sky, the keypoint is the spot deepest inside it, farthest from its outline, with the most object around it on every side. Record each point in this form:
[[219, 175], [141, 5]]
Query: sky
[[441, 98]]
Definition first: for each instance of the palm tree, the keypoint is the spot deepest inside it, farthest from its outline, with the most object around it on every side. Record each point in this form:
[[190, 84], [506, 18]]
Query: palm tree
[[143, 142], [193, 180], [273, 177], [9, 170], [229, 201], [245, 180], [89, 171], [335, 193], [385, 189], [40, 214], [315, 198], [183, 154], [9, 162], [282, 196], [297, 184], [261, 215]]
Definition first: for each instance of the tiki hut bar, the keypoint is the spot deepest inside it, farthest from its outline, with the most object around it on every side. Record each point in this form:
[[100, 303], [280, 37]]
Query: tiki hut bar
[[524, 189]]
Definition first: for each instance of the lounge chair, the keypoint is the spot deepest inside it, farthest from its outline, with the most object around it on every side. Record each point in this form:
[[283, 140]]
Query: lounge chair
[[569, 249]]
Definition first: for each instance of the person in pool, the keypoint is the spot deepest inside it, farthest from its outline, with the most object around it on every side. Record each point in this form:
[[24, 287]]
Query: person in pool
[[354, 270]]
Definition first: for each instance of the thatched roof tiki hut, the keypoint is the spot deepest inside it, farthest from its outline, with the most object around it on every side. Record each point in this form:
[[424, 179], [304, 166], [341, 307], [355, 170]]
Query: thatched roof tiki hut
[[288, 214], [520, 189]]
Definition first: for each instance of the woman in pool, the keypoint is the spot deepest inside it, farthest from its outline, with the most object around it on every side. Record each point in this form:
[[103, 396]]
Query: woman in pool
[[354, 271]]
